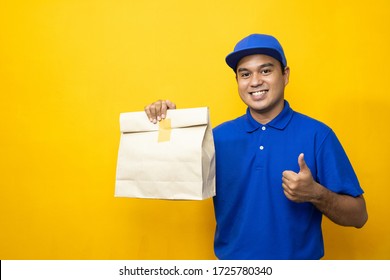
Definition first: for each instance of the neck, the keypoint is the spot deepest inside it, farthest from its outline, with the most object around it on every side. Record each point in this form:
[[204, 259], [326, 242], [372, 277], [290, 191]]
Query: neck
[[265, 116]]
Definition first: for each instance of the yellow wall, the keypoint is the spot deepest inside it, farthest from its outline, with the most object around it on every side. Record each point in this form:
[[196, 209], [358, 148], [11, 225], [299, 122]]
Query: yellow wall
[[69, 67]]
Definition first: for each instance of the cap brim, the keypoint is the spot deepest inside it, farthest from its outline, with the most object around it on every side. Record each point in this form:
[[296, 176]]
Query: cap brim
[[233, 58]]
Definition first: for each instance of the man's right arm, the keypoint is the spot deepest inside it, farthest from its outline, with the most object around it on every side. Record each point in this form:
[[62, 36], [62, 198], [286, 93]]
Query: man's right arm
[[158, 110]]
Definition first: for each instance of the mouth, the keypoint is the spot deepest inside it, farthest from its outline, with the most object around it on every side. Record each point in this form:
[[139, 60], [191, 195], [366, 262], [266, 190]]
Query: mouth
[[259, 93]]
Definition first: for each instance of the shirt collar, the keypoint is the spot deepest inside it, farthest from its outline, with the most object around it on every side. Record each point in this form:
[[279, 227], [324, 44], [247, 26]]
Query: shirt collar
[[279, 122]]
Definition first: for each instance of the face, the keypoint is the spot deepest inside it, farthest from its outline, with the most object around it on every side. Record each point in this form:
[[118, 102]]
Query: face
[[261, 84]]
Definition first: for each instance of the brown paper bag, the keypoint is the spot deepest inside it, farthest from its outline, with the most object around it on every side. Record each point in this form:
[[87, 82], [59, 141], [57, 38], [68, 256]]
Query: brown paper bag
[[173, 159]]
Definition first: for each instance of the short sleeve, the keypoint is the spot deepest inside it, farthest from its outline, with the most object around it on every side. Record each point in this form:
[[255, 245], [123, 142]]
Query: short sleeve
[[334, 170]]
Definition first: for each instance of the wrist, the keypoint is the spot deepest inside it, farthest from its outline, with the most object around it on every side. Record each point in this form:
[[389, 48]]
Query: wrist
[[319, 193]]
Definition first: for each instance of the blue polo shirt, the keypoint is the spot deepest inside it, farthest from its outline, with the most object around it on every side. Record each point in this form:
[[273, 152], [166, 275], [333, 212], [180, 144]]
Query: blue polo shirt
[[254, 218]]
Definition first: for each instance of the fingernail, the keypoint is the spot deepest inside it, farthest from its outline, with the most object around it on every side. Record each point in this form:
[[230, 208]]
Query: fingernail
[[163, 116]]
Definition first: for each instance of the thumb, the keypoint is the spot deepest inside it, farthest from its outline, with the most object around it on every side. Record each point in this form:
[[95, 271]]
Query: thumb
[[302, 163], [170, 104]]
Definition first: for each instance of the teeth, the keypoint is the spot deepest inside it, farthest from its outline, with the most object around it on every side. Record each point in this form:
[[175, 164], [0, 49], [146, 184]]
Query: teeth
[[258, 93]]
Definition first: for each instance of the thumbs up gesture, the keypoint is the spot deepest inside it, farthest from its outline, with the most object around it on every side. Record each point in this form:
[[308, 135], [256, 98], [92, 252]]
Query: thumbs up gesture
[[300, 187]]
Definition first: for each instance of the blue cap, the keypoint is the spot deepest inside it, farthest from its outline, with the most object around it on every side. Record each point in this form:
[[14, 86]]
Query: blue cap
[[256, 44]]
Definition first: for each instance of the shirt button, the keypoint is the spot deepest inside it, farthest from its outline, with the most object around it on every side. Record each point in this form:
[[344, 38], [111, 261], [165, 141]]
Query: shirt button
[[263, 128], [261, 147]]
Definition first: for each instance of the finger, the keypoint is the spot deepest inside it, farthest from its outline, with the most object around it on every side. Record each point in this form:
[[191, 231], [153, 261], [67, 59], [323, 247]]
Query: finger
[[289, 175], [149, 113], [158, 105], [285, 187], [166, 105], [163, 112], [170, 104], [152, 111], [287, 193], [285, 181], [288, 186], [291, 197], [302, 163]]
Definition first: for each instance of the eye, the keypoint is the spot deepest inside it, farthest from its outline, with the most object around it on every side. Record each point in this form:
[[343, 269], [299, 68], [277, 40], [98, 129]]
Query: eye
[[245, 75], [266, 71]]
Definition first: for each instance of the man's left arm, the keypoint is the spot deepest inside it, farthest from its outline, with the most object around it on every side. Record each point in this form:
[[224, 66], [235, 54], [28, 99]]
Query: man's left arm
[[342, 209]]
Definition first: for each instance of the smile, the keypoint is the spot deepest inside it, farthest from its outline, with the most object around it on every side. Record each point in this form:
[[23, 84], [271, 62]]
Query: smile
[[259, 93]]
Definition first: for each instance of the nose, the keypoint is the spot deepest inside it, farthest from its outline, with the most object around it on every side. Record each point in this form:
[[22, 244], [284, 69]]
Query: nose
[[256, 80]]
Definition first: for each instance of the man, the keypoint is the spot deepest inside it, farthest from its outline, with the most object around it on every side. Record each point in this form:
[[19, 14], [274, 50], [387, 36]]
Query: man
[[277, 171]]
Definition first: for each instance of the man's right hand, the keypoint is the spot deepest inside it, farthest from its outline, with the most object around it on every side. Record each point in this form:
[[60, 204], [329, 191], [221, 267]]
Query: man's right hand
[[158, 110]]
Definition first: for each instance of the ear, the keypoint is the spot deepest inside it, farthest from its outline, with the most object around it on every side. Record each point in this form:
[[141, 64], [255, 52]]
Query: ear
[[286, 75]]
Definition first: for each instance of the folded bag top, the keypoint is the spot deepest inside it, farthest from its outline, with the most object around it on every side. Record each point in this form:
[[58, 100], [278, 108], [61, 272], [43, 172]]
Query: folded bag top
[[138, 121]]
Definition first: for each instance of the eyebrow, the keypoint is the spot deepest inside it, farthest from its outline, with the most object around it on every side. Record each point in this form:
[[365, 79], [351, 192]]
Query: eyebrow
[[260, 67]]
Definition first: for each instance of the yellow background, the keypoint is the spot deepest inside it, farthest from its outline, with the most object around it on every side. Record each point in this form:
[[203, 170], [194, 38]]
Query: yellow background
[[69, 68]]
